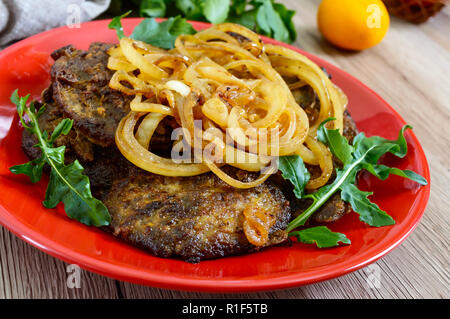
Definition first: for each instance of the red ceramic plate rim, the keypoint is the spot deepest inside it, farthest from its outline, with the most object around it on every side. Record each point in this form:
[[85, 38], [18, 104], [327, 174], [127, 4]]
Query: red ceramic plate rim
[[133, 275]]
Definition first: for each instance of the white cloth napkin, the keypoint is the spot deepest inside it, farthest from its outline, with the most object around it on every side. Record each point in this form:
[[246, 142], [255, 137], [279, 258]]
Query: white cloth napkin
[[22, 18]]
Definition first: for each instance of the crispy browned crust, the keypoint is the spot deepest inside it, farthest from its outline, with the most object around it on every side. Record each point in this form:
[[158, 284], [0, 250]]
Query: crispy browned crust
[[81, 87], [193, 218]]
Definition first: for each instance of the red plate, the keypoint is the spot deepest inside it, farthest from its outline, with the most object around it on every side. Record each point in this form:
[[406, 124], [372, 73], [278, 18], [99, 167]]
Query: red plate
[[25, 65]]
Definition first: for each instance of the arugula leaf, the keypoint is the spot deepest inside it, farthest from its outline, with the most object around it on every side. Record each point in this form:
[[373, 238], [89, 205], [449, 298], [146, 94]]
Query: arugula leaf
[[382, 146], [363, 154], [32, 169], [63, 127], [116, 24], [324, 193], [322, 236], [67, 184], [216, 11], [152, 8], [383, 172], [368, 212], [294, 170], [338, 144], [162, 34]]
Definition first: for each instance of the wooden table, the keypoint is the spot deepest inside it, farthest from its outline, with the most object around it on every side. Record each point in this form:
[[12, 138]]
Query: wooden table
[[410, 69]]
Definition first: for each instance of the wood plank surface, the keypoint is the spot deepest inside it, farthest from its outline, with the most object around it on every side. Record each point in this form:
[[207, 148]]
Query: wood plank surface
[[410, 69]]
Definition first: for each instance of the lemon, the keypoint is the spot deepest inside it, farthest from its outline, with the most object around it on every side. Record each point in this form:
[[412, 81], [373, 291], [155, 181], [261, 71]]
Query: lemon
[[353, 24]]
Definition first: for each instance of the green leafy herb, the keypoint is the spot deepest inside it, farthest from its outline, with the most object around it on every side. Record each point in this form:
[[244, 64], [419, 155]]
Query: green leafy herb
[[67, 184], [216, 11], [263, 16], [247, 19], [116, 24], [270, 21], [191, 9], [294, 170], [338, 144], [287, 17], [162, 34], [238, 6], [322, 236], [363, 154], [152, 8], [368, 212]]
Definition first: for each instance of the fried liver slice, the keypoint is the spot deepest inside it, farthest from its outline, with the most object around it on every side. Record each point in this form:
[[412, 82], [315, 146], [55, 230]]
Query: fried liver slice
[[193, 218], [80, 86]]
